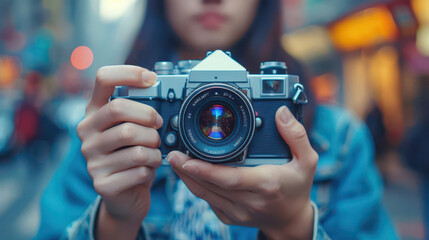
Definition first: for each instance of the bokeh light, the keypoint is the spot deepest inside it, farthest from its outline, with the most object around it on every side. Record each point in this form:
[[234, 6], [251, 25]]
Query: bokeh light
[[364, 29], [82, 57], [111, 10], [422, 41]]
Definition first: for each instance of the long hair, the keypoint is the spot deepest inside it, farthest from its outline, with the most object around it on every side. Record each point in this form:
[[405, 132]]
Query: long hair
[[156, 41]]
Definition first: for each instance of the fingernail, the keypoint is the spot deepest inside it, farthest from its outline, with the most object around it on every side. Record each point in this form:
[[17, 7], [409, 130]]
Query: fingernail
[[285, 115], [148, 78], [172, 160], [159, 121], [190, 168]]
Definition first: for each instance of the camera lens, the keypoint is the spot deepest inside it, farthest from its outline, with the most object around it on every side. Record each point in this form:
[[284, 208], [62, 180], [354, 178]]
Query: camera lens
[[217, 122]]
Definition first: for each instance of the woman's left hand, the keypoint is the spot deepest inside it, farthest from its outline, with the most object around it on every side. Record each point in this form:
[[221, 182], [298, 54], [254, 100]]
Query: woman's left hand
[[275, 199]]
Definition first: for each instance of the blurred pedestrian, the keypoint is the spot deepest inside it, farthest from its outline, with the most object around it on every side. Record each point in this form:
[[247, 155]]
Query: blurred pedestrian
[[28, 113], [374, 120], [415, 146]]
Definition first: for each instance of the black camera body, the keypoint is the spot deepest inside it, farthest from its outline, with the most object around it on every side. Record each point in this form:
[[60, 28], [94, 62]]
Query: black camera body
[[215, 111]]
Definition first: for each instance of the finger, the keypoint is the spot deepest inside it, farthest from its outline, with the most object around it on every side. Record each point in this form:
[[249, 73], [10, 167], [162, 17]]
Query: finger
[[233, 195], [124, 110], [122, 75], [123, 135], [233, 211], [119, 182], [201, 192], [132, 157], [294, 134], [232, 178]]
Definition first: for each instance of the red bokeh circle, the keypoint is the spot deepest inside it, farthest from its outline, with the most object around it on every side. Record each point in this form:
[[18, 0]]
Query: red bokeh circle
[[82, 57]]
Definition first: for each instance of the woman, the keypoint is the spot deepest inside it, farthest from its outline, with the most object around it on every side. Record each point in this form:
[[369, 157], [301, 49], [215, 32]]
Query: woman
[[119, 143]]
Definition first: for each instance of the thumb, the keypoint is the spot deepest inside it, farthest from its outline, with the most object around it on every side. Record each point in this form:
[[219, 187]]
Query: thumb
[[176, 159], [294, 134]]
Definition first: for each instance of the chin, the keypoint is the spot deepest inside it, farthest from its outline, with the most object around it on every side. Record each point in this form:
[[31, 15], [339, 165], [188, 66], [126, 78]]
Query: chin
[[209, 44]]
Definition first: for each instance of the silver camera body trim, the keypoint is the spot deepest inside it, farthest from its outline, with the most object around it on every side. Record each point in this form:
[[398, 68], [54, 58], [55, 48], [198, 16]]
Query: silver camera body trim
[[176, 84], [217, 67]]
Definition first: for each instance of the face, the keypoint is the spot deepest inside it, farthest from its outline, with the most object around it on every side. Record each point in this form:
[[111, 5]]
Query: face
[[210, 24]]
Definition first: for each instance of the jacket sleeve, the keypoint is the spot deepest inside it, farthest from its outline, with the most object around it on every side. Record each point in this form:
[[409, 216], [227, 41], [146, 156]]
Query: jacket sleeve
[[69, 204], [83, 227], [319, 232], [67, 196], [356, 207]]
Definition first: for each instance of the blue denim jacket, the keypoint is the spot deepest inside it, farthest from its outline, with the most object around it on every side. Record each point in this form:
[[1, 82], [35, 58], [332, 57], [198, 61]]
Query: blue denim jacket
[[346, 192]]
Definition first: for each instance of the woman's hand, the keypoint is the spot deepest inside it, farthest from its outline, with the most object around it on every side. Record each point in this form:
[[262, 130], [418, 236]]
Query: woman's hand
[[275, 199], [119, 143]]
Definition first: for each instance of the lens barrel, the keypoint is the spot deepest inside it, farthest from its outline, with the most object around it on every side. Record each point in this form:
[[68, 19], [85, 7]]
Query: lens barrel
[[216, 122]]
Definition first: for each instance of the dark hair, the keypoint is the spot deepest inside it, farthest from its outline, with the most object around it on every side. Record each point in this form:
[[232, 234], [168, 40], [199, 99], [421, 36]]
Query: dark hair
[[156, 41]]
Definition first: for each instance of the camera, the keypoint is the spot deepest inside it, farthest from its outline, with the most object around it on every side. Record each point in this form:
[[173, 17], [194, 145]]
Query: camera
[[214, 110]]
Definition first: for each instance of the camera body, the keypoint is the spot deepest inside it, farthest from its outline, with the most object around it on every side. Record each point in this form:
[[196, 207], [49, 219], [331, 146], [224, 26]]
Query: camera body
[[215, 111]]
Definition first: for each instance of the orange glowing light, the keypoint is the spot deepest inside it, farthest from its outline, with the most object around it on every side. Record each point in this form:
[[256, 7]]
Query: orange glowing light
[[421, 9], [10, 71], [325, 88], [364, 29], [82, 57]]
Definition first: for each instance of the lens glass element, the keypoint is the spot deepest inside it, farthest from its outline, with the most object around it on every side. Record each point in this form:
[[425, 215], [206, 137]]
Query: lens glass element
[[217, 122]]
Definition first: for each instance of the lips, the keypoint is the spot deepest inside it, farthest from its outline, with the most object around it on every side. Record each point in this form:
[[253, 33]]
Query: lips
[[211, 20]]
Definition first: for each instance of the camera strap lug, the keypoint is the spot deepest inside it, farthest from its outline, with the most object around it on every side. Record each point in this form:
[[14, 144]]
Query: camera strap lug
[[171, 95], [299, 97]]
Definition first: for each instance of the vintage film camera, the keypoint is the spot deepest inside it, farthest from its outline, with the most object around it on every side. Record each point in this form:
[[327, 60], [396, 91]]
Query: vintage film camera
[[215, 111]]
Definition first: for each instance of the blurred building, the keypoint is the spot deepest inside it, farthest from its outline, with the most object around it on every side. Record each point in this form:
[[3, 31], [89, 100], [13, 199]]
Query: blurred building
[[363, 54]]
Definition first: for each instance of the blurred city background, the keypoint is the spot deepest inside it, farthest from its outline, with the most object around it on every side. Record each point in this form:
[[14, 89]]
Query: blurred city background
[[370, 56]]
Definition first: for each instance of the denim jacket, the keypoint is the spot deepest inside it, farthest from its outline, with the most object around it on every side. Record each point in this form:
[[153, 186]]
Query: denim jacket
[[346, 193]]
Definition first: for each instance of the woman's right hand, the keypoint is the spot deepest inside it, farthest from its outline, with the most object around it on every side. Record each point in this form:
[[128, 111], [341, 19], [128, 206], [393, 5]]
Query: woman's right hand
[[119, 143]]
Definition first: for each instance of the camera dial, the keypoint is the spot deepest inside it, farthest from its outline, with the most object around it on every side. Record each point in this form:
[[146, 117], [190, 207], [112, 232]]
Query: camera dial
[[273, 68]]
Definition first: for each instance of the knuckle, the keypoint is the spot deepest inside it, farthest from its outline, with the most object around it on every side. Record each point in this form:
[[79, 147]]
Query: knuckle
[[155, 140], [139, 154], [126, 132], [234, 182], [158, 156], [101, 188], [98, 187], [85, 148], [313, 159], [144, 174], [101, 75], [259, 206], [90, 171], [116, 107], [271, 187], [243, 217], [153, 114], [81, 128], [91, 167]]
